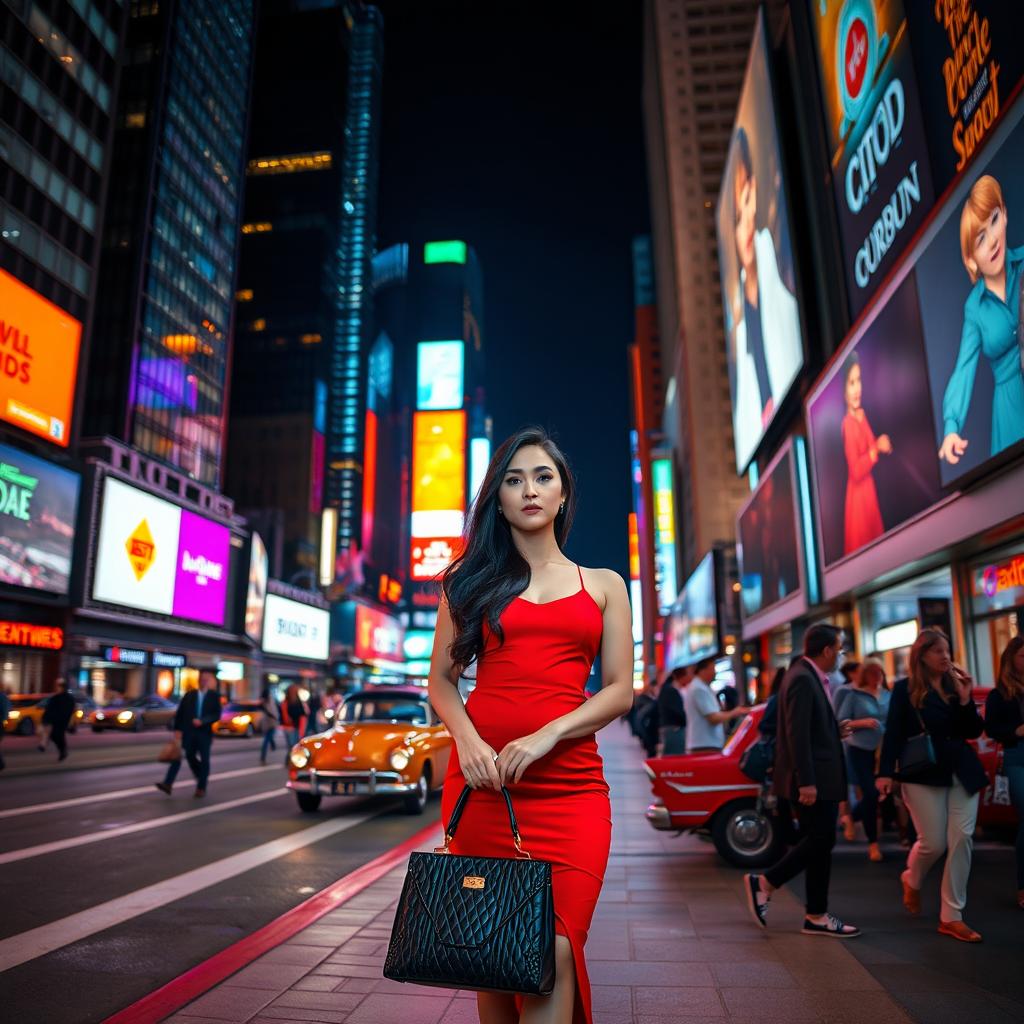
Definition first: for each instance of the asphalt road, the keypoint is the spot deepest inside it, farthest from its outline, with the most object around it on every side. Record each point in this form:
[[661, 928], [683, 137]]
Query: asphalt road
[[111, 895]]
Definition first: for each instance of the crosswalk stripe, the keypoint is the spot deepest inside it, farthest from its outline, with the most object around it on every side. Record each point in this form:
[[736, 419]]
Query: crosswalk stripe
[[119, 794], [36, 942], [138, 826]]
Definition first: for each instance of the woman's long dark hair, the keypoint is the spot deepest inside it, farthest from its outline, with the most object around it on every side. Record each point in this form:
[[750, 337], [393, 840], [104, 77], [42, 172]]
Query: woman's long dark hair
[[1009, 684], [490, 572]]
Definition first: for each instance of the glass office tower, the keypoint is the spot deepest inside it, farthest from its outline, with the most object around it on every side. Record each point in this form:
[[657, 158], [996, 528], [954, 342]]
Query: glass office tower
[[167, 276]]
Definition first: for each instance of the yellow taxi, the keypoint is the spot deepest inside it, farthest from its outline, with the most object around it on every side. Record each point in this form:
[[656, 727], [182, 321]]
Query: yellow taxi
[[240, 718], [385, 740], [26, 714]]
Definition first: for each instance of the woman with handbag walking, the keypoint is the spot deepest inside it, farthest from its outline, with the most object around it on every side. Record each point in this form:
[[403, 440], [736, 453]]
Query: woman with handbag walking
[[533, 622], [1004, 722], [931, 717], [864, 703]]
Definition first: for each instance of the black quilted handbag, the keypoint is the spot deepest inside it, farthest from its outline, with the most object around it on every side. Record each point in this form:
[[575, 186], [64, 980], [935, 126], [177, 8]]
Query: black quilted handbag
[[485, 923]]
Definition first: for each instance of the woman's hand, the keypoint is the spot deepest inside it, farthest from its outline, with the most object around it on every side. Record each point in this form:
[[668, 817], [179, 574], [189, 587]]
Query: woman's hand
[[884, 443], [477, 761], [883, 785], [964, 685], [953, 448], [518, 755]]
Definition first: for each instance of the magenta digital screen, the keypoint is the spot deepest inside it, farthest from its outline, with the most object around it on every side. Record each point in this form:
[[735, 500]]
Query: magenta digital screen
[[201, 577]]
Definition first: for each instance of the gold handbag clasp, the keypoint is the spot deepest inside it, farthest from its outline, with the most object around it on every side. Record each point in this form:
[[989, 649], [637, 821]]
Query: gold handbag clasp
[[472, 882]]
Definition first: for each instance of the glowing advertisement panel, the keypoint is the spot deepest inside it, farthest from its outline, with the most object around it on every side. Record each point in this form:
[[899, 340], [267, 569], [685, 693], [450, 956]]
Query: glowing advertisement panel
[[664, 533], [256, 591], [439, 374], [438, 491], [881, 173], [38, 508], [378, 635], [296, 630], [157, 557], [764, 343], [39, 346], [691, 628], [970, 275], [768, 540]]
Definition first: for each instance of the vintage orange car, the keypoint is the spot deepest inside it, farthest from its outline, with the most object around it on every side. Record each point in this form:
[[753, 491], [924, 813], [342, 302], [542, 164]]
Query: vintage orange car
[[386, 739]]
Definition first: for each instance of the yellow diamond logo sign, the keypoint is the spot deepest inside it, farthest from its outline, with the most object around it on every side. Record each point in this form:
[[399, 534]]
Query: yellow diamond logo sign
[[141, 550]]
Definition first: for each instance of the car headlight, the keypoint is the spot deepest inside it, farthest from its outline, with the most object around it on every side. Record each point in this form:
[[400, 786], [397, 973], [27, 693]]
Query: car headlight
[[300, 757], [125, 716], [14, 715], [400, 758], [242, 719]]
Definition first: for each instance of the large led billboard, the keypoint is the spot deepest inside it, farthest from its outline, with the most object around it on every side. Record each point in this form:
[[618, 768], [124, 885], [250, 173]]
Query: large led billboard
[[378, 635], [665, 581], [881, 175], [691, 628], [38, 507], [439, 374], [256, 589], [870, 431], [38, 362], [762, 318], [438, 491], [969, 60], [768, 548], [296, 630], [155, 556], [970, 274]]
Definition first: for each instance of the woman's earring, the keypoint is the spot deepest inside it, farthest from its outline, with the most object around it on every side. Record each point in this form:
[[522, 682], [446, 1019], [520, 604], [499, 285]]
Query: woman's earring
[[562, 508], [500, 513]]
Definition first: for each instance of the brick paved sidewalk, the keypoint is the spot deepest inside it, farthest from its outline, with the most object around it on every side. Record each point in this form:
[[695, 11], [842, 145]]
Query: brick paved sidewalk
[[671, 943]]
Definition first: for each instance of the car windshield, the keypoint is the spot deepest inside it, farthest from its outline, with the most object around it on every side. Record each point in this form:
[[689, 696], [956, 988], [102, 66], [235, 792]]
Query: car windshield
[[385, 709], [242, 706]]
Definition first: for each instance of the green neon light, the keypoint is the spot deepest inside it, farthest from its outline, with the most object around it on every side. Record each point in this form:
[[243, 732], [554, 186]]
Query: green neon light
[[444, 252]]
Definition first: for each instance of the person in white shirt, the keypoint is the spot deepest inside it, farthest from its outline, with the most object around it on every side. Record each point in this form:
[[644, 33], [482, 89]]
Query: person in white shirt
[[705, 717]]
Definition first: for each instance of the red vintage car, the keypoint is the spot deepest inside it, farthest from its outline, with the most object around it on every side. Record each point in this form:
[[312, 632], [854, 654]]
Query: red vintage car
[[708, 793]]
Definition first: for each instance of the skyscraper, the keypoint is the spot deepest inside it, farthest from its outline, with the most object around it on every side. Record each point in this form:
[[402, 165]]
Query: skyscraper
[[695, 54], [58, 81], [301, 348], [167, 275]]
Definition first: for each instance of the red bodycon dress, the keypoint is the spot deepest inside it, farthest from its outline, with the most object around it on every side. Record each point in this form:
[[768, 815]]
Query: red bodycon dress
[[561, 802]]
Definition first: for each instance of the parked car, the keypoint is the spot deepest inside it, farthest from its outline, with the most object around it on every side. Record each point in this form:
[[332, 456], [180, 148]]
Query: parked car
[[386, 739], [134, 715], [240, 718], [708, 793]]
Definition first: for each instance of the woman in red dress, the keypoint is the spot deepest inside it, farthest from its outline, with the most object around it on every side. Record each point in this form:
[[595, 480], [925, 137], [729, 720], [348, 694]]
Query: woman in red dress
[[533, 622], [863, 518]]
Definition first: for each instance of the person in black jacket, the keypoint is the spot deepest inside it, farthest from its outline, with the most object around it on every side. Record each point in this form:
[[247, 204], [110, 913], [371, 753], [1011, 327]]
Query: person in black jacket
[[57, 715], [810, 770], [193, 729], [942, 797], [1004, 722], [671, 714]]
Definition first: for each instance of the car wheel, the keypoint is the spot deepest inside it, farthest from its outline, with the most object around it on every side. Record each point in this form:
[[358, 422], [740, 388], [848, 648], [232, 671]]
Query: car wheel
[[26, 727], [97, 728], [416, 801], [745, 835], [309, 802]]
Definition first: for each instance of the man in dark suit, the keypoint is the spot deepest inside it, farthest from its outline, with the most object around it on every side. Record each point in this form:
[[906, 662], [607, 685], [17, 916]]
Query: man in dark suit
[[58, 713], [193, 729], [810, 771]]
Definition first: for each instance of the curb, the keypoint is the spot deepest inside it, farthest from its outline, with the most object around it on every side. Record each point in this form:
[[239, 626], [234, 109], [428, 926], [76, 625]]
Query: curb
[[187, 987]]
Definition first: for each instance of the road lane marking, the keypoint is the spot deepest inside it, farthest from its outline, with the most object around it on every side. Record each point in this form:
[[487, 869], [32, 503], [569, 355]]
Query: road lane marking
[[138, 826], [36, 942], [118, 794]]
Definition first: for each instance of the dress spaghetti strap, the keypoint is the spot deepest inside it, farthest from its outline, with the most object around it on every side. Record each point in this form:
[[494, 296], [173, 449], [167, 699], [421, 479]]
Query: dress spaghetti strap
[[583, 586]]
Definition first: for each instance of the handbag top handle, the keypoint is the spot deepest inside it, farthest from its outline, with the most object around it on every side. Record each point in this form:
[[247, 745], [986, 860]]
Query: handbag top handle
[[460, 806]]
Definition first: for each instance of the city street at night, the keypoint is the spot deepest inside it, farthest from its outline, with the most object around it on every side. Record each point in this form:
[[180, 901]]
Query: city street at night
[[511, 514]]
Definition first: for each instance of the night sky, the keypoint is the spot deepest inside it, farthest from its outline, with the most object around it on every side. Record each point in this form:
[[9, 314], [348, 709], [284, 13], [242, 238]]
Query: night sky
[[518, 128]]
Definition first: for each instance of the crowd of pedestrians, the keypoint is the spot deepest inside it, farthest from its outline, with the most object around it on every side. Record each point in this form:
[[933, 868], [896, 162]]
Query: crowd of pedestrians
[[851, 751]]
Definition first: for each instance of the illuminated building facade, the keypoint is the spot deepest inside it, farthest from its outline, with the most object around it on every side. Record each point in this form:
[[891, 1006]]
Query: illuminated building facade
[[291, 298], [165, 298], [58, 81], [428, 301]]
